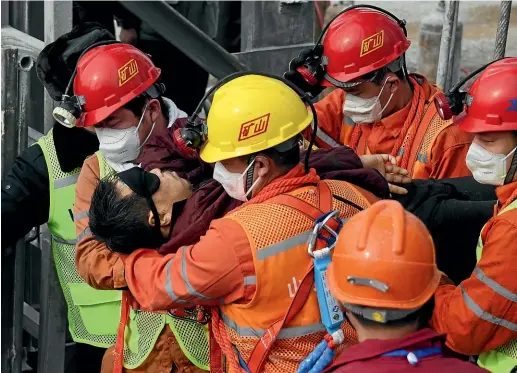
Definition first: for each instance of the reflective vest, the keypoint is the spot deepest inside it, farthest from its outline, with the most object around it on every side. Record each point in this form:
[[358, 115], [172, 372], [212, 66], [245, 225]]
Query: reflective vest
[[504, 358], [281, 260], [431, 125], [92, 314], [144, 328]]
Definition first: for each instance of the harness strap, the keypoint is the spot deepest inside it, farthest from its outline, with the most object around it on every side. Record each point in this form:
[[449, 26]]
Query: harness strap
[[263, 347], [119, 345]]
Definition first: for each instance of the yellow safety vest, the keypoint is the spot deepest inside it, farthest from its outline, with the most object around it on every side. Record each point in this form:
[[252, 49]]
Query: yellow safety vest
[[504, 358], [144, 328], [93, 315]]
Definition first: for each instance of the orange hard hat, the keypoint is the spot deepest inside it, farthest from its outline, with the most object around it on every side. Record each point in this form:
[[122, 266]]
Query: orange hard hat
[[110, 76], [384, 259]]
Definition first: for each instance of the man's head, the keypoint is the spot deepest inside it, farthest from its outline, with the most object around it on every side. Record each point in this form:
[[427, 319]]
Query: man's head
[[121, 211], [253, 133], [491, 114], [383, 269], [117, 86], [363, 50]]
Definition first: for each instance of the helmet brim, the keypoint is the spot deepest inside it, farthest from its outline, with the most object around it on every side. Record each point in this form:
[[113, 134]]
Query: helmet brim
[[470, 124]]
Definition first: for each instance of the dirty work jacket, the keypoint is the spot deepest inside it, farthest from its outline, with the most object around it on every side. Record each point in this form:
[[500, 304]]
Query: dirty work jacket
[[480, 314], [438, 150], [366, 357], [222, 268]]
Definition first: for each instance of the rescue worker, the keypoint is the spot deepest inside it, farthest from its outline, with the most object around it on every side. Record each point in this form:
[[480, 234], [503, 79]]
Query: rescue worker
[[39, 189], [480, 315], [251, 265], [377, 107], [121, 99], [384, 274]]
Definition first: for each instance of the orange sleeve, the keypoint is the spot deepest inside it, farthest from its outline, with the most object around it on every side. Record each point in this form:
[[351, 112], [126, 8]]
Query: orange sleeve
[[481, 313], [100, 267], [330, 119], [211, 272], [449, 153]]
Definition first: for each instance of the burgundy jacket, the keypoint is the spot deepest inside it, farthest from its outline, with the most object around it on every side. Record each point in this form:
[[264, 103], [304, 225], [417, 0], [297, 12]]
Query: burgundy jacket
[[366, 357], [209, 200]]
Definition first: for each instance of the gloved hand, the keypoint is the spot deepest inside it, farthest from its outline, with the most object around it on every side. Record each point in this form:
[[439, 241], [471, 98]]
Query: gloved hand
[[309, 62]]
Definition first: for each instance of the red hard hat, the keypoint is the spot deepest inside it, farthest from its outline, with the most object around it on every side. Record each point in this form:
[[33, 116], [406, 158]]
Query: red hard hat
[[491, 103], [360, 41], [108, 77]]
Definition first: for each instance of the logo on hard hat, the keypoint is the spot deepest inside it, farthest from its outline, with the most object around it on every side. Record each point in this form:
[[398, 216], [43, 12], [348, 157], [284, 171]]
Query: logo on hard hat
[[127, 72], [513, 104], [254, 127], [372, 43]]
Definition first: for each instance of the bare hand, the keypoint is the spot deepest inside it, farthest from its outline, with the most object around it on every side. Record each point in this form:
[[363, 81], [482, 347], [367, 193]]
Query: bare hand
[[387, 165], [128, 36]]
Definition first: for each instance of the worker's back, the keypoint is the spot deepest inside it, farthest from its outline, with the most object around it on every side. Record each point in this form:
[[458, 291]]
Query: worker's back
[[278, 234]]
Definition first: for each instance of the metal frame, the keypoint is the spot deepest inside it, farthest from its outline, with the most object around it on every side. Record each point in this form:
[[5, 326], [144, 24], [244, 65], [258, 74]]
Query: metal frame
[[177, 30]]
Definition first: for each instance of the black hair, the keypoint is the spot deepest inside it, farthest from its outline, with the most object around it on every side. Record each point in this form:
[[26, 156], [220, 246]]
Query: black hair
[[121, 222], [422, 315], [287, 159]]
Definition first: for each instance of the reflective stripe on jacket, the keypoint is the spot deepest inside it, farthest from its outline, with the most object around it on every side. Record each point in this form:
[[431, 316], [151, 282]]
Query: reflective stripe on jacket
[[480, 315]]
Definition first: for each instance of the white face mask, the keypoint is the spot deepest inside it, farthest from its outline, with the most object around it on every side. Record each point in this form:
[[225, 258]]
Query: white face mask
[[365, 110], [120, 146], [234, 183], [487, 167]]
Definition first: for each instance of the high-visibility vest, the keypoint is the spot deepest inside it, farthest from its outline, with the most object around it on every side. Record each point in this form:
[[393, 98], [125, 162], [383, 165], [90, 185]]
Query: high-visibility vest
[[92, 314], [144, 328], [503, 359], [278, 237]]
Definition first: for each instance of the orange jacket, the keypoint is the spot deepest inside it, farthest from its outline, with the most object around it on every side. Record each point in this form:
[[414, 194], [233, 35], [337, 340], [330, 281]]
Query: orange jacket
[[481, 313], [223, 269], [438, 149]]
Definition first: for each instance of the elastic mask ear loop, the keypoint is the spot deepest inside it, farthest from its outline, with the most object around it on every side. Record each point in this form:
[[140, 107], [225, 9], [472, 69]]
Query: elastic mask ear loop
[[379, 97], [140, 123], [249, 176], [513, 167]]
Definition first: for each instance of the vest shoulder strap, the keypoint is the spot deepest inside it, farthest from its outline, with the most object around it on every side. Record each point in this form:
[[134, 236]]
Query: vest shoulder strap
[[263, 347]]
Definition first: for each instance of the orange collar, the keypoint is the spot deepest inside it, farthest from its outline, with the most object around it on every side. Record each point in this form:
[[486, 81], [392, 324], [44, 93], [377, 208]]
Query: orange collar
[[294, 179], [506, 194]]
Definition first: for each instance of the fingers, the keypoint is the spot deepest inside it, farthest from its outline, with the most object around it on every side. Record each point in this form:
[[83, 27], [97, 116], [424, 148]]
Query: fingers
[[396, 178], [393, 169], [387, 158], [394, 189]]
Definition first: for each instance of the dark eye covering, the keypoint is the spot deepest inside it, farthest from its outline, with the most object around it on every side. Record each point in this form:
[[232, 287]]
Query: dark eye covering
[[144, 184]]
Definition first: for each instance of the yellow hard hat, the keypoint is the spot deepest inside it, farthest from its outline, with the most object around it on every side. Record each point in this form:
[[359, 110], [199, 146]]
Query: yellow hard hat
[[252, 113]]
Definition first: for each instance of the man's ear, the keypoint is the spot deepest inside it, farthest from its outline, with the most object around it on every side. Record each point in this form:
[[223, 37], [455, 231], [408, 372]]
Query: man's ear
[[165, 219], [154, 109], [393, 83], [262, 165]]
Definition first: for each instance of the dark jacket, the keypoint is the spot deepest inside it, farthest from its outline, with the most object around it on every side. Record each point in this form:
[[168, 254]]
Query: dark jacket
[[366, 357], [454, 211], [25, 188]]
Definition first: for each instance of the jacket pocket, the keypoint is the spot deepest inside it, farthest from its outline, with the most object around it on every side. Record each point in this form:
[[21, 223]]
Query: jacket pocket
[[99, 309]]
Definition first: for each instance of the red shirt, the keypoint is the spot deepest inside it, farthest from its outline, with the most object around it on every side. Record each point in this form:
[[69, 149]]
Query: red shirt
[[366, 357]]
